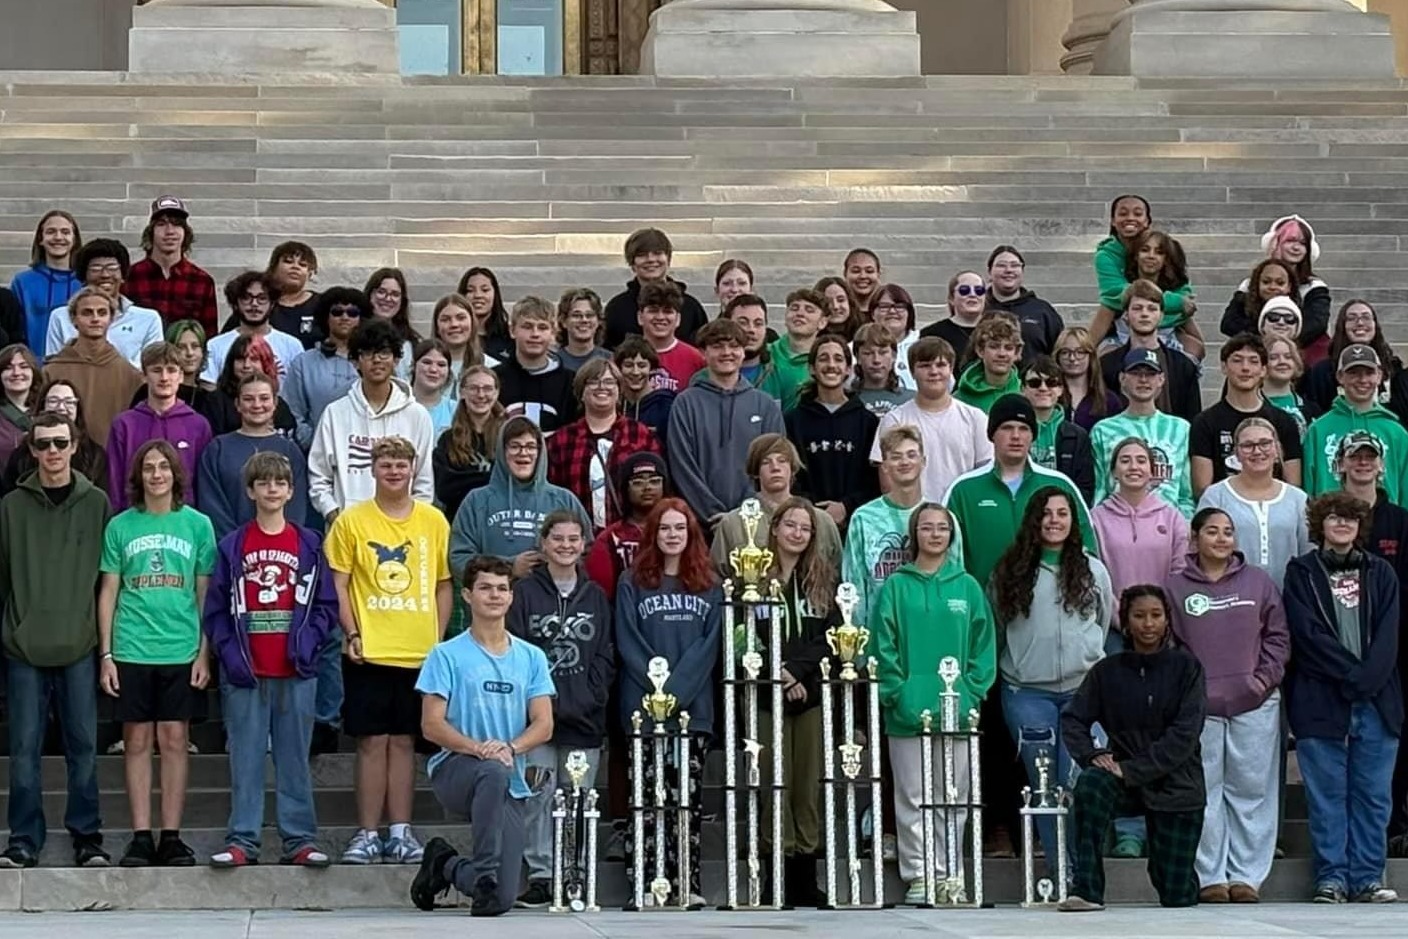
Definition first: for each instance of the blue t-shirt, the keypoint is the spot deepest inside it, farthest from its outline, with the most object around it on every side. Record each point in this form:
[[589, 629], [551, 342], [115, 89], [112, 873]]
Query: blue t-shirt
[[487, 695]]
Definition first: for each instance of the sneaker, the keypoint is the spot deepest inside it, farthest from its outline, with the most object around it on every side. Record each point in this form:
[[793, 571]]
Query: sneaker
[[310, 855], [405, 850], [889, 848], [323, 740], [89, 853], [141, 851], [232, 856], [485, 899], [1375, 893], [173, 852], [364, 848], [18, 857], [616, 844], [1075, 904], [430, 881], [915, 895], [697, 901], [1128, 847], [117, 749], [537, 896], [1329, 893], [191, 748]]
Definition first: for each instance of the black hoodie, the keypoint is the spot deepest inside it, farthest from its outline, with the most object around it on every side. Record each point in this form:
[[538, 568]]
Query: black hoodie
[[575, 633], [835, 451], [623, 315], [546, 398], [1041, 324]]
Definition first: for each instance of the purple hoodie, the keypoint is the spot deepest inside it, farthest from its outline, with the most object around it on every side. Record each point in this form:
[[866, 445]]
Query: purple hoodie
[[1139, 545], [1236, 627], [180, 426], [227, 622]]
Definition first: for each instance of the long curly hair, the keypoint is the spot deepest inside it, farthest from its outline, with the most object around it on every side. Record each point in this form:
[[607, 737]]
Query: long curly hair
[[696, 570], [1173, 275], [1254, 301], [1014, 578], [815, 573]]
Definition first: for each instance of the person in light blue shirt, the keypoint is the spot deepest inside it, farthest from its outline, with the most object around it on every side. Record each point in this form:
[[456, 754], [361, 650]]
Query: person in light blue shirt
[[486, 701]]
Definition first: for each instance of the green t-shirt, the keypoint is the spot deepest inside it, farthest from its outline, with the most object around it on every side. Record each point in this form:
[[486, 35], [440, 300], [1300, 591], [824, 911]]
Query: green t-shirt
[[157, 559]]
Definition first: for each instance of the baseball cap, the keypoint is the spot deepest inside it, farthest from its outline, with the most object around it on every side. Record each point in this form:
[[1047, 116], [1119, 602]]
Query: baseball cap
[[1358, 355], [169, 205], [1142, 358], [1358, 440]]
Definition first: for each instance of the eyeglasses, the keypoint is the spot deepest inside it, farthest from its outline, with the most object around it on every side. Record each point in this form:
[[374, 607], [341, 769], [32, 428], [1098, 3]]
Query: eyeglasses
[[1334, 519], [890, 308], [1361, 317], [606, 384], [57, 404], [970, 290], [1035, 382], [50, 443], [104, 270], [797, 528], [381, 293], [255, 298], [381, 355], [1284, 319], [1069, 354], [522, 448], [480, 389], [1253, 446]]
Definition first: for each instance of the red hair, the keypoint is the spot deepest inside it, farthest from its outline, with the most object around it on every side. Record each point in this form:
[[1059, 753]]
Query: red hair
[[259, 349], [696, 570]]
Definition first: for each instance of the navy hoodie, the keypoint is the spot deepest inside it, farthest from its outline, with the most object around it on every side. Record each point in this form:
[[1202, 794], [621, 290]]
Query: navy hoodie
[[683, 627], [575, 633], [835, 451], [222, 493]]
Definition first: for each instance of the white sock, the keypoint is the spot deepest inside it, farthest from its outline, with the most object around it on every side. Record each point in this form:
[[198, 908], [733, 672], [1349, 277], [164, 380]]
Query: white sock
[[371, 833], [400, 830]]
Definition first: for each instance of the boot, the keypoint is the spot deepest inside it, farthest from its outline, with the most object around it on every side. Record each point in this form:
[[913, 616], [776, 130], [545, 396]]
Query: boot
[[801, 881]]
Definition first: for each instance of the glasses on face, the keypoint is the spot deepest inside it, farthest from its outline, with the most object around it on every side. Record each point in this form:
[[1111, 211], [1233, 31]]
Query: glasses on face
[[485, 390], [1361, 318], [255, 298], [104, 270], [1334, 519], [521, 448], [345, 312], [606, 384], [1256, 446], [888, 307], [970, 290], [653, 479], [796, 528], [1036, 382], [60, 404], [1070, 355], [381, 293], [51, 443]]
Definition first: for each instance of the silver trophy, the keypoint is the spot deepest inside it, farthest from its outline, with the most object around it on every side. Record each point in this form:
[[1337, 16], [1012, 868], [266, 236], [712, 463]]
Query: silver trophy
[[574, 826], [1045, 800], [848, 642], [752, 600], [944, 810], [666, 746]]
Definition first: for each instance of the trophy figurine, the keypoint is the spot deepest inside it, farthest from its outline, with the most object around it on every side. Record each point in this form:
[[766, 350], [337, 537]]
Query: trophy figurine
[[658, 704]]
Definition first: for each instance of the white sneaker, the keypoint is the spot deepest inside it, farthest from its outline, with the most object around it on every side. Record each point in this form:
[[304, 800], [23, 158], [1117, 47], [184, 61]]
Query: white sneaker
[[364, 848], [889, 850], [405, 850]]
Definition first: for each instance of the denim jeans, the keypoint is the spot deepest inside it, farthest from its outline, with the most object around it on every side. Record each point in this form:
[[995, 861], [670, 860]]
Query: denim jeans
[[328, 709], [278, 710], [1034, 720], [1347, 789], [74, 689]]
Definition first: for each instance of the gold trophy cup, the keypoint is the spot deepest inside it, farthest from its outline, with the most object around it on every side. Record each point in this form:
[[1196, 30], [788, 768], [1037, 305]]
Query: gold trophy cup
[[750, 562], [847, 641]]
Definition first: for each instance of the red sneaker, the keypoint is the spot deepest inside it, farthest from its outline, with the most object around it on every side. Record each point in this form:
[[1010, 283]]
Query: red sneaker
[[232, 856]]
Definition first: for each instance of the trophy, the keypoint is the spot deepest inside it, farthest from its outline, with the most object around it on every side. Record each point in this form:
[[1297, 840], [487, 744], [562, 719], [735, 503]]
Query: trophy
[[750, 602], [848, 642], [946, 812], [659, 706], [1046, 801], [574, 825]]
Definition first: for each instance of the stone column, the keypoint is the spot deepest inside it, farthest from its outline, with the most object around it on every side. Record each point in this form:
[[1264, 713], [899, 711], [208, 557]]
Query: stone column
[[1264, 39], [1090, 24], [780, 39], [264, 36]]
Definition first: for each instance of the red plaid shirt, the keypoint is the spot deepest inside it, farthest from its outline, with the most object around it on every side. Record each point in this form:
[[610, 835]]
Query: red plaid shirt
[[572, 450], [189, 293]]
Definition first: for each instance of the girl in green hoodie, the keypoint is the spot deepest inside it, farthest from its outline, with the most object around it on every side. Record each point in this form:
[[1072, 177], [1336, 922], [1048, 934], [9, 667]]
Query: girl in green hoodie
[[930, 609]]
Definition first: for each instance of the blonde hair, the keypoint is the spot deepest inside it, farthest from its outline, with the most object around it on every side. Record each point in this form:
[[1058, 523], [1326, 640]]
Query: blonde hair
[[533, 308], [895, 436]]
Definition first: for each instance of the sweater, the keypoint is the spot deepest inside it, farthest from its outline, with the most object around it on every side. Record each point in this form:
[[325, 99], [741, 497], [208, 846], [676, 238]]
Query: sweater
[[453, 481], [730, 533], [545, 396], [340, 462], [179, 426], [804, 645], [623, 315], [315, 379], [1167, 437], [1323, 438], [131, 330], [877, 545], [919, 620], [49, 557], [1269, 533], [653, 410], [39, 289], [104, 380], [1052, 648], [574, 631], [1139, 544], [1151, 707], [711, 428], [223, 496], [683, 627], [1236, 627], [789, 370], [1320, 387], [835, 450]]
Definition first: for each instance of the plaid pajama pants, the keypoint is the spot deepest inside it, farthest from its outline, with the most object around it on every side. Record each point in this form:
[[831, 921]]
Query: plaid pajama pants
[[1173, 839]]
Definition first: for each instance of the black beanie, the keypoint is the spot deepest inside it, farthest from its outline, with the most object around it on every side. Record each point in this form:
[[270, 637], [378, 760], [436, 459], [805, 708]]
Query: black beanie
[[1011, 407]]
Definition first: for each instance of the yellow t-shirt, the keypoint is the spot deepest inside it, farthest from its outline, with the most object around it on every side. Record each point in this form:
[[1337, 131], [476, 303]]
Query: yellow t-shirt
[[394, 568]]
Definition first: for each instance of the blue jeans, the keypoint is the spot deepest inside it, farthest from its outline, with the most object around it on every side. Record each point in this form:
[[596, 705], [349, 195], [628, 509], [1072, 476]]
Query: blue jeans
[[1034, 720], [1348, 784], [278, 710], [328, 708], [74, 689]]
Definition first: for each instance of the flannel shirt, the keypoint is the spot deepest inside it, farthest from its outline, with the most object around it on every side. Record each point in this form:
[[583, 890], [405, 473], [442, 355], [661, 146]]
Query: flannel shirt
[[572, 449], [189, 293]]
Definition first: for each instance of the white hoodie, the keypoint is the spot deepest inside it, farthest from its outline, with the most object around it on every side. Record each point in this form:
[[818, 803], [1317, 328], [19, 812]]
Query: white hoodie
[[340, 461]]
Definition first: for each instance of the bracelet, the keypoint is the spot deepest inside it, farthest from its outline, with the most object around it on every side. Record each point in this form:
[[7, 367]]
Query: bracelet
[[106, 657], [354, 637], [512, 749]]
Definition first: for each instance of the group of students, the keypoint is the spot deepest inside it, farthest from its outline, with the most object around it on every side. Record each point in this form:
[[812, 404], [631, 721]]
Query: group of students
[[524, 509]]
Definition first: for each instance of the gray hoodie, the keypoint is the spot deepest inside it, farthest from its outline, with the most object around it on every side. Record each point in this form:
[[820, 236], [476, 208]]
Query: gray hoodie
[[710, 431], [502, 518], [1052, 648]]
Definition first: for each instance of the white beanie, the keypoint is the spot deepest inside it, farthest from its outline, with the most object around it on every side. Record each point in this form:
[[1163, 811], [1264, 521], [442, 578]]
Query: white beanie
[[1268, 240], [1279, 303]]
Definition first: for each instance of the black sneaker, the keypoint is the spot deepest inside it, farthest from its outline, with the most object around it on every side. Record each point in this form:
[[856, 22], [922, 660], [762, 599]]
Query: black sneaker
[[173, 852], [537, 896], [141, 851], [324, 739], [1329, 893], [90, 853], [430, 881], [17, 857], [485, 900]]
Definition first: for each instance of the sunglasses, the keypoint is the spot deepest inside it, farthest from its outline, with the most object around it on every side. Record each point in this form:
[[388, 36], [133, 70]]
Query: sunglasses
[[1039, 381], [50, 443], [1284, 319], [968, 290], [346, 312]]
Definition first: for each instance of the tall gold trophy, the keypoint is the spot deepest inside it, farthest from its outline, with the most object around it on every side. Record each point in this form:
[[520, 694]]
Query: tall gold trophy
[[659, 705]]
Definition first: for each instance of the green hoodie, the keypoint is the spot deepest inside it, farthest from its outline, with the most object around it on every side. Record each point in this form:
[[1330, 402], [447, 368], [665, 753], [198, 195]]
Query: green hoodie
[[789, 373], [973, 387], [877, 545], [49, 557], [1110, 258], [919, 620], [1323, 437]]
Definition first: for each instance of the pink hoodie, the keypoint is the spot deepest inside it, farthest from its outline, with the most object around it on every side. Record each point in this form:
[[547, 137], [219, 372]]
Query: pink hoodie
[[1140, 545]]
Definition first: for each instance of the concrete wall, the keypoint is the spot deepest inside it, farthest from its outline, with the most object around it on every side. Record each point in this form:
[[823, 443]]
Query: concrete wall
[[978, 48], [65, 34]]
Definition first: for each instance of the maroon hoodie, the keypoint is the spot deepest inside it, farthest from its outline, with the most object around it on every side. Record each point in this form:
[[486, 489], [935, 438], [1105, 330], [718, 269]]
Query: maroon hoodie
[[1236, 627]]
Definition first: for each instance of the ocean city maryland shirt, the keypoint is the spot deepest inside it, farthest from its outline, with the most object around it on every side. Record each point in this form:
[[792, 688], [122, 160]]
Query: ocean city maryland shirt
[[394, 566], [157, 559]]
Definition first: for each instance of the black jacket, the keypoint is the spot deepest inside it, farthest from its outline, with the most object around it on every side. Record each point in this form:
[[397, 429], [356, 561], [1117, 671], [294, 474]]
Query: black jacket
[[835, 451], [219, 410], [1314, 303], [545, 398], [622, 315], [1388, 538], [1041, 324], [575, 633], [803, 648], [454, 482], [1152, 708], [12, 325], [1181, 384], [1323, 679], [1075, 457]]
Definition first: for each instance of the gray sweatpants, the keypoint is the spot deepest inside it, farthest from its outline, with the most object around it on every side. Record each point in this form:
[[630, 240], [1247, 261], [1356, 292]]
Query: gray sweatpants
[[552, 760], [478, 790], [1241, 763], [906, 765]]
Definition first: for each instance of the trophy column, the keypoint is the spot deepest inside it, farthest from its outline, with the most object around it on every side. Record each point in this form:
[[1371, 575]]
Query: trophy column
[[574, 826], [666, 746], [1046, 800], [944, 810]]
